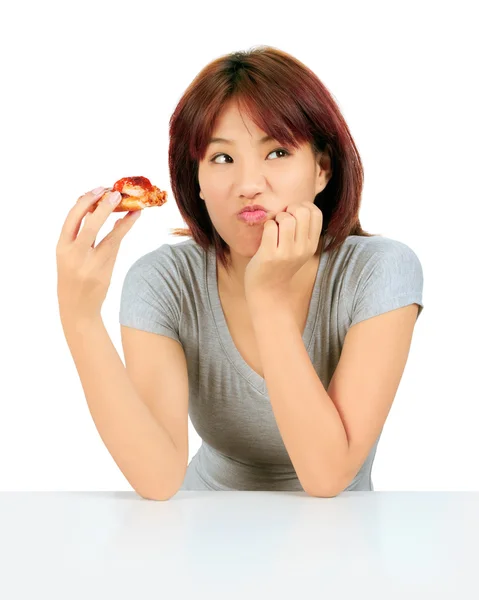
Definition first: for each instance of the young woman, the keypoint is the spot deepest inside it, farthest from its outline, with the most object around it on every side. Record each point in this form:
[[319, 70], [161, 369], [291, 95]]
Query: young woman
[[284, 334]]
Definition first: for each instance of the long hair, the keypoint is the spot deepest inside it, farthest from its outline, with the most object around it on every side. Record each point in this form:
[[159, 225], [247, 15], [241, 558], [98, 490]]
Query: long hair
[[285, 99]]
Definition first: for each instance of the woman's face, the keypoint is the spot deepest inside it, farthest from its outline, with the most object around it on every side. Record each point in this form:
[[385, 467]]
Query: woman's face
[[249, 171]]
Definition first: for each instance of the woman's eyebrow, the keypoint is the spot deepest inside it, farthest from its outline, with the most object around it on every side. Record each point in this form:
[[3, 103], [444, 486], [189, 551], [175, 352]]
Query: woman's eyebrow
[[214, 140]]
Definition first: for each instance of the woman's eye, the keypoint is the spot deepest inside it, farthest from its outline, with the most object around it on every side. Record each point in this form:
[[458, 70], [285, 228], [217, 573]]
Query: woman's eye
[[272, 151]]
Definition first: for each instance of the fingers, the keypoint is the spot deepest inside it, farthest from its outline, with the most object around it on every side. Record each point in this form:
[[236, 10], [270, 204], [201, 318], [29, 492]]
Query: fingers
[[96, 219], [76, 214]]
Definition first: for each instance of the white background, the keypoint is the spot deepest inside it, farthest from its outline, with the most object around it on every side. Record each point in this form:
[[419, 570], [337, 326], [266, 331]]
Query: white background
[[87, 92]]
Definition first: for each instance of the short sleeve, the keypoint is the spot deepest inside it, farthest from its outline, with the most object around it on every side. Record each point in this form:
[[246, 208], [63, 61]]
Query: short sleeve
[[152, 293], [388, 278]]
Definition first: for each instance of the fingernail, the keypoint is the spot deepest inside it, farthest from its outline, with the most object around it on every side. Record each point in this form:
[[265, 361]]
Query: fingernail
[[114, 197], [97, 191]]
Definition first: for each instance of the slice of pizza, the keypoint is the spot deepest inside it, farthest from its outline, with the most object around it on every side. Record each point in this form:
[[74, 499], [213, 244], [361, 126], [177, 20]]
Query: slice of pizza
[[137, 193]]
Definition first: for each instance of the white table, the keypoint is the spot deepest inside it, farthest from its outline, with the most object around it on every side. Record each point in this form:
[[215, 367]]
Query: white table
[[239, 545]]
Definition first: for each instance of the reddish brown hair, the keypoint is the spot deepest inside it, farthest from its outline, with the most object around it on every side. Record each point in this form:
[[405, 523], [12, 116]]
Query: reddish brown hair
[[284, 98]]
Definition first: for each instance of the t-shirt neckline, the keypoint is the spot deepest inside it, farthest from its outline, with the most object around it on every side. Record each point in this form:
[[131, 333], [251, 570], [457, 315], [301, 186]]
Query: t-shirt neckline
[[224, 336]]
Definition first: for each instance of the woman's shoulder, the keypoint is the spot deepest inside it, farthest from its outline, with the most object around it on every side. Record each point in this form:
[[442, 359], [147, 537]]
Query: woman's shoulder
[[356, 251]]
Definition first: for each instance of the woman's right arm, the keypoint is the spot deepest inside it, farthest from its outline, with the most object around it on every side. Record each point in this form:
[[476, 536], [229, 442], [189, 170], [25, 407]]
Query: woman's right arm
[[140, 446]]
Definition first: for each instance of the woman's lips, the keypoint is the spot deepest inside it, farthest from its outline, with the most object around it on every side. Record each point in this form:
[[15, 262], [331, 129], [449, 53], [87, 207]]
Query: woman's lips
[[255, 216]]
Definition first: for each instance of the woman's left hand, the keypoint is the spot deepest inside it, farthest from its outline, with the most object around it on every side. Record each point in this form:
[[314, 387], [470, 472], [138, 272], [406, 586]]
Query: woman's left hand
[[288, 242]]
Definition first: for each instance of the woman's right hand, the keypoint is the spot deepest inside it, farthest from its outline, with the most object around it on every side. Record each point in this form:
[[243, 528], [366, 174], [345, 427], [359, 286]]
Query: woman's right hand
[[84, 271]]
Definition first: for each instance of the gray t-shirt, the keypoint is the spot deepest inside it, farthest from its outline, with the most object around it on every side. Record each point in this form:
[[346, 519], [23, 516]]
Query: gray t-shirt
[[173, 291]]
